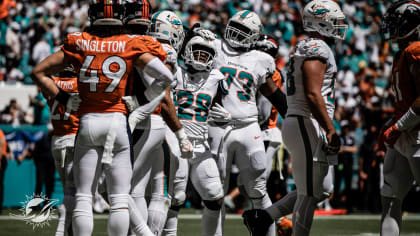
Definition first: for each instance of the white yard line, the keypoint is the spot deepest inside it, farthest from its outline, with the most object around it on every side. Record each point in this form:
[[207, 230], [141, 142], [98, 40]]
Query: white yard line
[[238, 217]]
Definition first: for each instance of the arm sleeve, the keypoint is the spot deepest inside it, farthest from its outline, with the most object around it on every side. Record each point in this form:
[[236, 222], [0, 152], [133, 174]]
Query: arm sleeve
[[279, 101]]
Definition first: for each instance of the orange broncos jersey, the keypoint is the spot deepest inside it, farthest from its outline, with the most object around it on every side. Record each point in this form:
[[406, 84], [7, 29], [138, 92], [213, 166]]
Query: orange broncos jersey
[[64, 122], [272, 120], [403, 83], [103, 65]]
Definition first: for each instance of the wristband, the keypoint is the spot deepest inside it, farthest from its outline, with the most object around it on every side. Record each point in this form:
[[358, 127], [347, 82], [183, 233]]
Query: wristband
[[180, 134], [62, 97], [408, 120]]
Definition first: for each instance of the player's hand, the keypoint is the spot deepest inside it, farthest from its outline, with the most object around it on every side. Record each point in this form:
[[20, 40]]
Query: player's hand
[[334, 143], [219, 114], [391, 135], [73, 103], [185, 145], [136, 117], [131, 102], [204, 33]]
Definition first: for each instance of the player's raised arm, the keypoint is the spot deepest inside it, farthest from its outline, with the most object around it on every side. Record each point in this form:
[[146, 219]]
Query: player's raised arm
[[49, 66], [154, 67]]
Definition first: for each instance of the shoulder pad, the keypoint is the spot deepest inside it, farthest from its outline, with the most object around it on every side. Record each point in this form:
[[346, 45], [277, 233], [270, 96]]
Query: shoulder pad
[[313, 48]]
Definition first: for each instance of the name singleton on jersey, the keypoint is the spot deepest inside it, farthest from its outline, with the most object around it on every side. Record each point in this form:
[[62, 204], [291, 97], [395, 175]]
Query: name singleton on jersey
[[100, 46]]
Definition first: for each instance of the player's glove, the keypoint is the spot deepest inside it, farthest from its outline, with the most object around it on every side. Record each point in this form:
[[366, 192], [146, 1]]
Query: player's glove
[[131, 102], [391, 135], [204, 33], [185, 145], [219, 114], [137, 116], [333, 145]]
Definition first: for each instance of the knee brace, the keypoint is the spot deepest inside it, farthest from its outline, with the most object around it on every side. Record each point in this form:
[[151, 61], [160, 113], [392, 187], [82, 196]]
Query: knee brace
[[178, 199], [118, 201], [213, 205]]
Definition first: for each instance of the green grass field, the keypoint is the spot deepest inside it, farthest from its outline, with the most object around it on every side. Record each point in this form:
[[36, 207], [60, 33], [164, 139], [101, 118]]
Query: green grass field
[[190, 225]]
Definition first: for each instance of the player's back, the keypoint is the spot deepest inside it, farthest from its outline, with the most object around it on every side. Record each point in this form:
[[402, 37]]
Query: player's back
[[296, 98], [403, 82], [193, 98], [244, 73], [103, 65]]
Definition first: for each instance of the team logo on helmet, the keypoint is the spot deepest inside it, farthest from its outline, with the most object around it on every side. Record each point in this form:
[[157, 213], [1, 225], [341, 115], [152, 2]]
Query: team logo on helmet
[[318, 11], [176, 24]]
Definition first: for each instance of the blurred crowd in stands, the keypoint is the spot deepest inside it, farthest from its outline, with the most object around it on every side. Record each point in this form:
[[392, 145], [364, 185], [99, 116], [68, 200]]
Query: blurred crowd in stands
[[31, 30]]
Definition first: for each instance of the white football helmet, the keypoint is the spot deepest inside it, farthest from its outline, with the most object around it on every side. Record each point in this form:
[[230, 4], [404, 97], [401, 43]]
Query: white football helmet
[[323, 16], [167, 26], [243, 29], [199, 53]]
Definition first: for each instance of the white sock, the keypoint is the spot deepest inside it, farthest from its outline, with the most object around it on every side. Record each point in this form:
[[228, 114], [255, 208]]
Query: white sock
[[211, 223], [171, 225], [137, 223], [82, 215], [119, 219], [158, 210], [61, 221], [141, 205]]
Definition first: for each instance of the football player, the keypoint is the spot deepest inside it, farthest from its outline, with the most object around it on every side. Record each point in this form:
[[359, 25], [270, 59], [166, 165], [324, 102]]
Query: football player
[[268, 114], [402, 165], [195, 94], [310, 97], [246, 71], [150, 149], [65, 124], [103, 59]]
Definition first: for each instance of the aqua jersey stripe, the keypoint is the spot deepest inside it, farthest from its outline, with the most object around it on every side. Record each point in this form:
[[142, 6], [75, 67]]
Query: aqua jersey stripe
[[245, 14], [153, 29]]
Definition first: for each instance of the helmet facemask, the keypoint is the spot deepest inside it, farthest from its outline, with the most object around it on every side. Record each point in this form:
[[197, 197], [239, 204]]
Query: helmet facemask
[[240, 36], [199, 56]]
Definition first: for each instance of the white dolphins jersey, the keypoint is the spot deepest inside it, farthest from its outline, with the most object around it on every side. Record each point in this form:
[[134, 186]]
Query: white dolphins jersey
[[244, 73], [296, 99], [193, 97]]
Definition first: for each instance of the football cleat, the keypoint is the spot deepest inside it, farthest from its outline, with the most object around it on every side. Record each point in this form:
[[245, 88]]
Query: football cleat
[[284, 227], [257, 221]]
